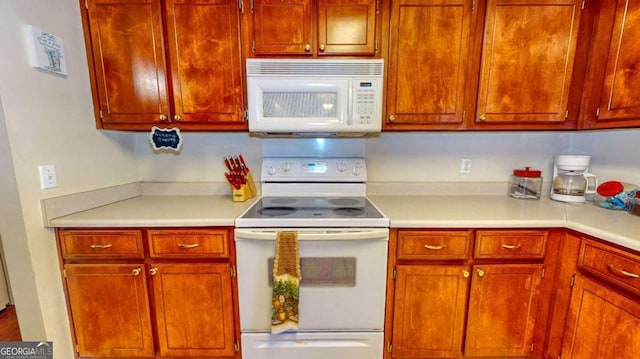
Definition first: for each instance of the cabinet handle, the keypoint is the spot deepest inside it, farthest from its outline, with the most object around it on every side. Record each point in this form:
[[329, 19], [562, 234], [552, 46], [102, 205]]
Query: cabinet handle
[[136, 271], [321, 47], [621, 272], [392, 118], [163, 117], [153, 271], [482, 117], [480, 273], [191, 245], [510, 246], [307, 47], [100, 246], [427, 246], [465, 273], [176, 117]]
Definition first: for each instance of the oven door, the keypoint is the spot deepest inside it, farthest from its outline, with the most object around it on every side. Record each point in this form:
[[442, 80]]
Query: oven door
[[343, 278]]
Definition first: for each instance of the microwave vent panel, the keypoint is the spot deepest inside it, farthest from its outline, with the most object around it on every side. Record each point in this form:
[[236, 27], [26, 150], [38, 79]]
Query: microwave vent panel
[[334, 68]]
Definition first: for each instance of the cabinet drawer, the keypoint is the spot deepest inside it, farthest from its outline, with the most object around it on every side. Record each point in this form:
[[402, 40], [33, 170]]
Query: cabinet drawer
[[199, 243], [611, 264], [434, 244], [510, 244], [101, 244]]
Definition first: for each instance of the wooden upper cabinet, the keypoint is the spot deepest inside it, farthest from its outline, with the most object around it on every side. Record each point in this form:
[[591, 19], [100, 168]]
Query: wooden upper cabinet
[[527, 62], [129, 60], [313, 27], [176, 66], [611, 86], [429, 52], [204, 52]]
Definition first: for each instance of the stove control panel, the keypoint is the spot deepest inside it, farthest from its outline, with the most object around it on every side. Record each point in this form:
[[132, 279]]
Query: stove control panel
[[299, 169]]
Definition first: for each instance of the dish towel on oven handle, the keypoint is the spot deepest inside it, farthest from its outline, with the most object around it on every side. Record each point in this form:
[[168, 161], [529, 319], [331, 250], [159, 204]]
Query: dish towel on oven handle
[[286, 283]]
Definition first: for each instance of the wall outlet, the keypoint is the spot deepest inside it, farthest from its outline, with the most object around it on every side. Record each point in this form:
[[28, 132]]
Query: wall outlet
[[48, 178], [465, 165]]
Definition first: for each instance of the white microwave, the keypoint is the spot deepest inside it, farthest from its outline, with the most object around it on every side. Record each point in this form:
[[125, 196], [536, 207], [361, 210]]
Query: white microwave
[[314, 97]]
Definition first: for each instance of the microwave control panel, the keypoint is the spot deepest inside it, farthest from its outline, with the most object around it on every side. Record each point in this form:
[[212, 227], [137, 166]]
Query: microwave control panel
[[366, 97]]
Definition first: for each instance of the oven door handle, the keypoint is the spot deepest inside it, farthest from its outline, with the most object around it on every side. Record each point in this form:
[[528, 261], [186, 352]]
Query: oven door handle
[[315, 234]]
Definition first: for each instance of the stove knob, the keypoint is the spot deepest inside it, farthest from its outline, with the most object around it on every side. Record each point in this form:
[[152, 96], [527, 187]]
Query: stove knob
[[286, 166], [271, 170], [342, 166], [356, 170]]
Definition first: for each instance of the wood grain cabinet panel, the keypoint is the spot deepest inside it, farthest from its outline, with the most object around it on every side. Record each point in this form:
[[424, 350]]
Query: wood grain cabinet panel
[[193, 308], [101, 244], [429, 48], [314, 27], [610, 264], [429, 311], [192, 78], [601, 323], [503, 309], [435, 245], [195, 243], [610, 97], [510, 244], [108, 325], [528, 54]]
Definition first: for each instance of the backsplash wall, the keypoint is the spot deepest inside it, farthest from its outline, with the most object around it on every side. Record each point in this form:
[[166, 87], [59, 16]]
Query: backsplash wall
[[405, 157]]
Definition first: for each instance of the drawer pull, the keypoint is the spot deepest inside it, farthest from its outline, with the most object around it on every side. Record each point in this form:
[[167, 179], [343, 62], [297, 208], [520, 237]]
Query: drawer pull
[[136, 272], [100, 246], [427, 246], [621, 272], [153, 271], [510, 246], [480, 273], [191, 245]]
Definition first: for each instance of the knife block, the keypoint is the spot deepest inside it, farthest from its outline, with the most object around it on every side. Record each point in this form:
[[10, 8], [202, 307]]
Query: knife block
[[246, 191]]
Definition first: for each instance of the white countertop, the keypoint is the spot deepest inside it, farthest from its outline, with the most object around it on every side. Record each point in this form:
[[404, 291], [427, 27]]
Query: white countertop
[[403, 211]]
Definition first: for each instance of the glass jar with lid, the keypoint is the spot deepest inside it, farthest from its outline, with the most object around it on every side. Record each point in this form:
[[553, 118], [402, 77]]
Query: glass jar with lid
[[525, 183]]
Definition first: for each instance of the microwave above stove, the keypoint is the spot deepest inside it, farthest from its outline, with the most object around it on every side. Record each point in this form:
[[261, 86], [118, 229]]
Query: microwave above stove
[[314, 97]]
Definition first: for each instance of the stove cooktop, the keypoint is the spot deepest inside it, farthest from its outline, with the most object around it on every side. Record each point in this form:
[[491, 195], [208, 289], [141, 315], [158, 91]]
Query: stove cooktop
[[312, 212]]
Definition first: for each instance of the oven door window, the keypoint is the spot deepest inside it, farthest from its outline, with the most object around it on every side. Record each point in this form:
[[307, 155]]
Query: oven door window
[[324, 271], [300, 105]]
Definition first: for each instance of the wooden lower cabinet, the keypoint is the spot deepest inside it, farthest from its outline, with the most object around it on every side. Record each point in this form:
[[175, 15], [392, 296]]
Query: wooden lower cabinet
[[429, 310], [503, 309], [451, 303], [601, 323], [193, 309], [176, 301], [110, 309]]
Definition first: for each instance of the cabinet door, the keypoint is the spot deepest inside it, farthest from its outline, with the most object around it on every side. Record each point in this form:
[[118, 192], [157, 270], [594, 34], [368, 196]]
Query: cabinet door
[[128, 54], [204, 53], [601, 324], [427, 74], [527, 61], [429, 311], [502, 310], [110, 309], [346, 27], [194, 309], [619, 99], [282, 27]]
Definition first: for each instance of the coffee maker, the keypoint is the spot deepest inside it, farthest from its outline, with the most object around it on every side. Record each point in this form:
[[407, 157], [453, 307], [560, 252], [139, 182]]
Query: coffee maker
[[572, 181]]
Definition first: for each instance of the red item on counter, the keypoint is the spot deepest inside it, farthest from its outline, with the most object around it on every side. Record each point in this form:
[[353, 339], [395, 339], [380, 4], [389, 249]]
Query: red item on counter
[[527, 172], [610, 188]]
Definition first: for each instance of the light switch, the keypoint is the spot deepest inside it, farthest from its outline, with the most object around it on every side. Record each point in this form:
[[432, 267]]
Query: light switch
[[48, 177]]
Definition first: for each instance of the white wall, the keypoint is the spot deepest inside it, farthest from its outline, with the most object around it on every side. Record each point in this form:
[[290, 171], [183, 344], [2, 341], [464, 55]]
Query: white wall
[[49, 120]]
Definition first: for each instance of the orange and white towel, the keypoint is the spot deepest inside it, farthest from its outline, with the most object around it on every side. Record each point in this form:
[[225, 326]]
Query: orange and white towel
[[286, 283]]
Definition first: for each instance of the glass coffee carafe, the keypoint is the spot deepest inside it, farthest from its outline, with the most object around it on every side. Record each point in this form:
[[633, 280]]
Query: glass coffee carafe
[[570, 183]]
